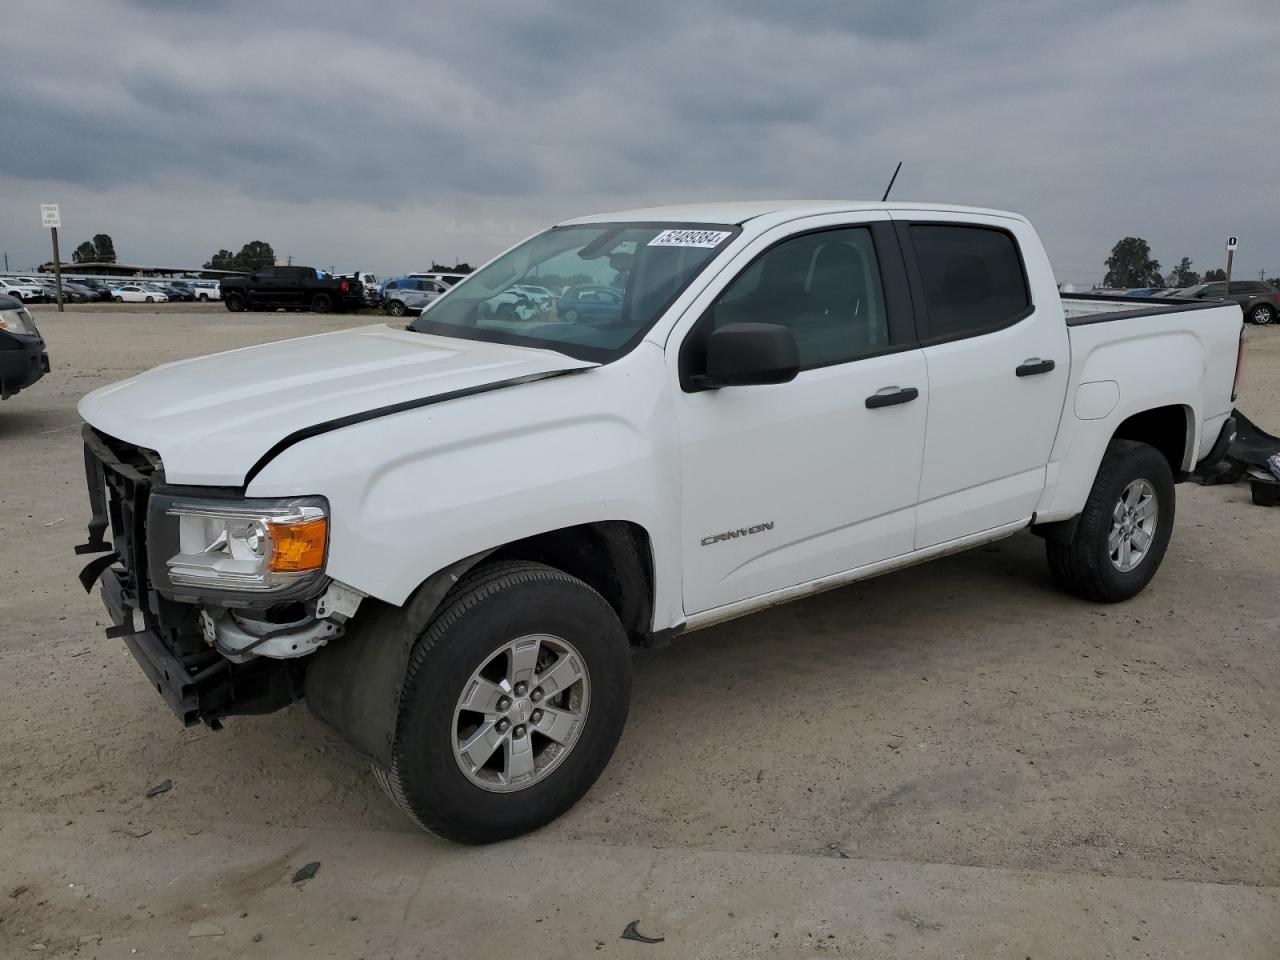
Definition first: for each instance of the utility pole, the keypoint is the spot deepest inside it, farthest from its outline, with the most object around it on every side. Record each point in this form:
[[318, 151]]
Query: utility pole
[[6, 261], [1231, 253], [52, 219]]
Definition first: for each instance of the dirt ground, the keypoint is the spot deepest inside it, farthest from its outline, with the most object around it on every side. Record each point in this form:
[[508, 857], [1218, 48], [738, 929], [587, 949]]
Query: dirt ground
[[952, 761]]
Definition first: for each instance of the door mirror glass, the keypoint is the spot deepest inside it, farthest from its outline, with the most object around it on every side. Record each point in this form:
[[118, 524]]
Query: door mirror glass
[[741, 354]]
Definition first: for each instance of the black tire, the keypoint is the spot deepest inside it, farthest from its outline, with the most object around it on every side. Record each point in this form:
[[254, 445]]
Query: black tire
[[1262, 314], [118, 299], [151, 299], [491, 606], [396, 308], [1083, 564], [234, 302], [321, 303], [204, 298]]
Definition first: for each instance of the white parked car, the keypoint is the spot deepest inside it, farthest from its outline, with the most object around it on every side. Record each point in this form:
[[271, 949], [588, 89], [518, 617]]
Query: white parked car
[[206, 290], [449, 538], [27, 292], [137, 293]]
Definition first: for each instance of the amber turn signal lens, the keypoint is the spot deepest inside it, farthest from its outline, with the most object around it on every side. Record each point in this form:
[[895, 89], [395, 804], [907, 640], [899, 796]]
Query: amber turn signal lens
[[298, 546]]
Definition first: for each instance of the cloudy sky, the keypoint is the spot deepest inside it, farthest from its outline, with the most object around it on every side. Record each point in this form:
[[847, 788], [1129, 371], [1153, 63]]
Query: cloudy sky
[[379, 136]]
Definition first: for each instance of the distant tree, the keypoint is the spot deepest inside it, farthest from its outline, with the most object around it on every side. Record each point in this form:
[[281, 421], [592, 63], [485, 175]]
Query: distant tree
[[1130, 265], [222, 260], [85, 253], [252, 256], [456, 268], [255, 255], [104, 249], [1182, 275], [1214, 276]]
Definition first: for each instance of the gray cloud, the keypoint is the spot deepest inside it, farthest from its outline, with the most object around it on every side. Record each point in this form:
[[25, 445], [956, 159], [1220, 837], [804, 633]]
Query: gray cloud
[[370, 135]]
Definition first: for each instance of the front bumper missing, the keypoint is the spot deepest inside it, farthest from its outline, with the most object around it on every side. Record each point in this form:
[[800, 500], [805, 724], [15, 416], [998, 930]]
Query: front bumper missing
[[166, 672]]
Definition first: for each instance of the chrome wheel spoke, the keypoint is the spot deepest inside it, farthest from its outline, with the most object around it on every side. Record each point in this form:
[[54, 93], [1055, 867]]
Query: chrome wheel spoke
[[565, 673], [1113, 540], [1141, 540], [482, 696], [479, 747], [524, 659], [1146, 509], [520, 761], [1131, 495], [557, 725], [1126, 554]]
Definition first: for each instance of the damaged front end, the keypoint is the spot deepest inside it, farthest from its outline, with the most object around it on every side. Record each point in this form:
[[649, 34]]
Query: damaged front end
[[216, 595]]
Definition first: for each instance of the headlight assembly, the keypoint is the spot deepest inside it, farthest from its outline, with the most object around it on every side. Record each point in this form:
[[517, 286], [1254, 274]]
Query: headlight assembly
[[250, 546]]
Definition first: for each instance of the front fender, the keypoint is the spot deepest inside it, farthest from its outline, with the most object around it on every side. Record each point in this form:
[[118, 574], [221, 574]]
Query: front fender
[[416, 491]]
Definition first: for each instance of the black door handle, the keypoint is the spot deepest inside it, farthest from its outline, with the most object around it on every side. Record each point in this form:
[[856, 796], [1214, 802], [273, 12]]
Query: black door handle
[[899, 395], [1033, 366]]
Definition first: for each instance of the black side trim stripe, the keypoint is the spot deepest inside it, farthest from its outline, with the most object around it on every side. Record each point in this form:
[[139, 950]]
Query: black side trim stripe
[[329, 426], [1165, 306]]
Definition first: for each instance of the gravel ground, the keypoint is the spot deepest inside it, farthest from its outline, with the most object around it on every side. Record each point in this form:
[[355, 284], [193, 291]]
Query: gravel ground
[[954, 760]]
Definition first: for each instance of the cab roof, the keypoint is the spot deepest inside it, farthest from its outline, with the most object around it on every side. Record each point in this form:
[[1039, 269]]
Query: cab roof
[[740, 212]]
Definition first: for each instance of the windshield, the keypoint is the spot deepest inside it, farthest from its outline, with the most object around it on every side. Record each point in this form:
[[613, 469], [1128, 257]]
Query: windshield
[[589, 291]]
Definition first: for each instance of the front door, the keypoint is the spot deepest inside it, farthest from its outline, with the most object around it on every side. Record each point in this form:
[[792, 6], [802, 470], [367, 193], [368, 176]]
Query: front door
[[789, 483]]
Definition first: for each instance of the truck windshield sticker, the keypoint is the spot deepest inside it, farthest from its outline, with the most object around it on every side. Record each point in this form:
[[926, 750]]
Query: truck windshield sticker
[[689, 238]]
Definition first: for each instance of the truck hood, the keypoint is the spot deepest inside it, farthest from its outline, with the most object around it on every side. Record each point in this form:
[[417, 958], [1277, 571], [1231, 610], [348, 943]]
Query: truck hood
[[212, 418]]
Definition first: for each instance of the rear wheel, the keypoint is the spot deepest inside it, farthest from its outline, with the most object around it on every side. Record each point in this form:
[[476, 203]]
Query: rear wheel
[[1123, 532], [234, 302], [1262, 314], [321, 303], [514, 700], [204, 298]]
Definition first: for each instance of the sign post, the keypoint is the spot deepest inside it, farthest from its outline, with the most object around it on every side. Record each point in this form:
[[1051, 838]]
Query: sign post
[[52, 218], [1231, 252]]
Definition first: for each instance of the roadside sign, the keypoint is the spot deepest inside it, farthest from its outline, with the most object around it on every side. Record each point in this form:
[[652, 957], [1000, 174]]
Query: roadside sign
[[1231, 243], [49, 215]]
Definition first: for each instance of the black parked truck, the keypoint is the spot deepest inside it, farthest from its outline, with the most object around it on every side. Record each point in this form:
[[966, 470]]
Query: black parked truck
[[293, 288]]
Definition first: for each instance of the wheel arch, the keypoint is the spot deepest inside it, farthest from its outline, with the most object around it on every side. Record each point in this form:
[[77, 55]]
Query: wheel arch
[[353, 685], [1170, 429]]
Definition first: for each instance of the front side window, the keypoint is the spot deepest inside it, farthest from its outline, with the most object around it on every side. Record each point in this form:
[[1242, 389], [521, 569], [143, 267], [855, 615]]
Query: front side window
[[643, 266], [973, 279], [825, 287]]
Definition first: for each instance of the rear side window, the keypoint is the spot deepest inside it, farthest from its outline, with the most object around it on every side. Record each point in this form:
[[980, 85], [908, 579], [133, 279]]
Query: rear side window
[[973, 279]]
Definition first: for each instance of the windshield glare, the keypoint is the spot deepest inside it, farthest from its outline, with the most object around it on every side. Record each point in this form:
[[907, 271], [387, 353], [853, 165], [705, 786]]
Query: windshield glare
[[590, 291]]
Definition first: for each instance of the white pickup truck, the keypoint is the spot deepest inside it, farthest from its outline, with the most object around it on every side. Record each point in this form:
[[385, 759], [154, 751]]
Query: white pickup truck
[[449, 538]]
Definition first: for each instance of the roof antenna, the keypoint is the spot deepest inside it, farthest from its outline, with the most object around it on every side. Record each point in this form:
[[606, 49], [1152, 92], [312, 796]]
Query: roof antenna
[[891, 180]]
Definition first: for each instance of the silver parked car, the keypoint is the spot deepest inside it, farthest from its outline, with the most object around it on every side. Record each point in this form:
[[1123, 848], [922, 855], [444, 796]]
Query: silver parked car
[[410, 295]]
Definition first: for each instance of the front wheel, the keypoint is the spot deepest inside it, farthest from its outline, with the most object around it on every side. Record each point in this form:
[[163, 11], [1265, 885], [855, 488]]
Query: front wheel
[[118, 299], [396, 308], [151, 299], [514, 700], [1123, 532], [1261, 314], [204, 298], [321, 303]]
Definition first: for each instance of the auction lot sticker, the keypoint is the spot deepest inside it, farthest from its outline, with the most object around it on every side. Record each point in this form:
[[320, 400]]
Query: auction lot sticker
[[689, 238]]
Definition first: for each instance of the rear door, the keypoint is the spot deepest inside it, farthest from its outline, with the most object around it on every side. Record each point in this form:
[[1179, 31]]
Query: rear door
[[789, 483], [998, 363]]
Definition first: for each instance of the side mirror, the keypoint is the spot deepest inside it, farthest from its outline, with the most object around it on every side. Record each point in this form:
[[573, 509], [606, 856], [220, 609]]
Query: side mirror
[[742, 354]]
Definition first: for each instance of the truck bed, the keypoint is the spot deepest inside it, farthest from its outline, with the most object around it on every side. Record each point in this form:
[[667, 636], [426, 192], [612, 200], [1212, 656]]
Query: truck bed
[[1081, 308]]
